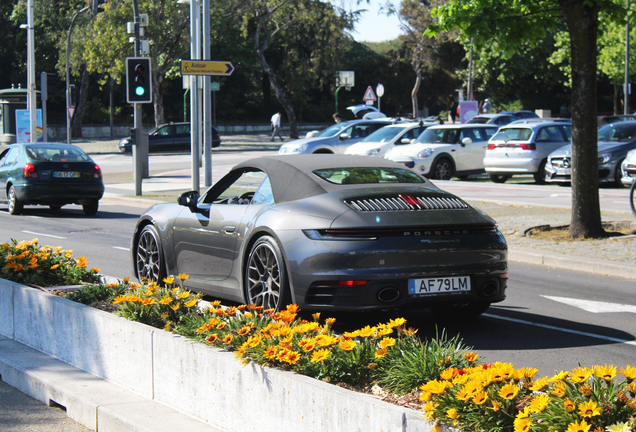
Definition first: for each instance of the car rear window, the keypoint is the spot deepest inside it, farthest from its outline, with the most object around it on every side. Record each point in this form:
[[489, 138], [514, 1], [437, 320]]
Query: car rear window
[[48, 152], [368, 175], [508, 134]]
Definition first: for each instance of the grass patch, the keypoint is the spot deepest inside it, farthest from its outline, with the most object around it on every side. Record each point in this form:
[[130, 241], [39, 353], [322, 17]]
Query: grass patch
[[562, 233]]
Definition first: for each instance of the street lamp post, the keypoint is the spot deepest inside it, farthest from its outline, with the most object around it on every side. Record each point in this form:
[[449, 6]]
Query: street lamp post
[[31, 103], [68, 76], [626, 88]]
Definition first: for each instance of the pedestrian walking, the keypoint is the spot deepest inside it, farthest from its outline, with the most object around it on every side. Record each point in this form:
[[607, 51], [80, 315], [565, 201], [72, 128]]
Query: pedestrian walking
[[487, 106], [276, 127], [452, 106]]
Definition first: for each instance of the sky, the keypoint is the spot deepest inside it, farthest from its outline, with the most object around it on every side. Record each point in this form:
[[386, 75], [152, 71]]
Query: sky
[[374, 26]]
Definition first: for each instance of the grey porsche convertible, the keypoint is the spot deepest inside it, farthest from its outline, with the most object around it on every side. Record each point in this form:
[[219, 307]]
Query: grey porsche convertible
[[326, 232]]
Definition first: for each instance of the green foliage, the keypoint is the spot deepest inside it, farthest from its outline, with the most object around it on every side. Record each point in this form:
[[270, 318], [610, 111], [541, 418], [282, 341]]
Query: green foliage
[[98, 293], [27, 263], [412, 362]]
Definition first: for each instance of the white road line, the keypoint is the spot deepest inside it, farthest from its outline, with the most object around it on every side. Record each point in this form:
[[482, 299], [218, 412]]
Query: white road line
[[45, 235], [561, 329], [121, 248]]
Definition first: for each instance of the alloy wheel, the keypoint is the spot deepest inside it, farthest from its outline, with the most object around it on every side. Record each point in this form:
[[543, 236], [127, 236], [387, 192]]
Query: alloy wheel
[[264, 277], [149, 264]]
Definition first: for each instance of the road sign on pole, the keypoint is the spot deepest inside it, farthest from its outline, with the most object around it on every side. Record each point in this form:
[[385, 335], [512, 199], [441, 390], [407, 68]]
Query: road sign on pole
[[206, 67], [369, 96]]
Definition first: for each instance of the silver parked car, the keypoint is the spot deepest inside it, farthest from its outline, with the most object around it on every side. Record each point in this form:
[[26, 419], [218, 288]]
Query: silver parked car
[[628, 168], [614, 141], [336, 138], [523, 147]]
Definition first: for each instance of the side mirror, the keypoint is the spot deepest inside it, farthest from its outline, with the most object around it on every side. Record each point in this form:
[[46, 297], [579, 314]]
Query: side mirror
[[405, 141], [189, 199], [466, 141], [344, 136]]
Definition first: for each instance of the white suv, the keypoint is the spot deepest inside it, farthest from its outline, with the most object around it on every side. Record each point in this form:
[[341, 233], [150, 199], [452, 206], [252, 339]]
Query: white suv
[[446, 151]]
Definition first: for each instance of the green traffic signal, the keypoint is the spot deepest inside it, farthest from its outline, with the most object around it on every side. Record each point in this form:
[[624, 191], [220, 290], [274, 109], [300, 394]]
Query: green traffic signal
[[139, 91]]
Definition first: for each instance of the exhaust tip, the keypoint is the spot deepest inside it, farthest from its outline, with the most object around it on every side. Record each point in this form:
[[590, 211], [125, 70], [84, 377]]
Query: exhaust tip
[[489, 289], [388, 294]]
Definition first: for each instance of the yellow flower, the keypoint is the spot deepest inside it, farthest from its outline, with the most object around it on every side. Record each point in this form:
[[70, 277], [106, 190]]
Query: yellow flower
[[522, 424], [221, 326], [470, 356], [429, 409], [381, 352], [191, 303], [212, 338], [480, 398], [168, 280], [629, 373], [166, 300], [559, 377], [387, 342], [244, 331], [292, 357], [175, 306], [347, 345], [316, 316], [619, 427], [539, 384], [434, 386], [319, 356], [227, 339], [495, 406], [539, 403], [183, 295], [396, 322], [580, 374], [607, 372], [183, 277], [509, 391], [452, 414], [81, 262], [578, 427], [568, 405], [558, 389], [96, 270], [119, 299], [148, 301], [589, 409], [367, 331]]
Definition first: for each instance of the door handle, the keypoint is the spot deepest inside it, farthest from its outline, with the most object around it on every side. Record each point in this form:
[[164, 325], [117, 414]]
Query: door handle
[[229, 229]]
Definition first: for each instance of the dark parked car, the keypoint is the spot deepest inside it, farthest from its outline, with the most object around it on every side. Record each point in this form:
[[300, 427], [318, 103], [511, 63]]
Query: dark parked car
[[49, 174], [327, 232], [168, 137], [614, 142]]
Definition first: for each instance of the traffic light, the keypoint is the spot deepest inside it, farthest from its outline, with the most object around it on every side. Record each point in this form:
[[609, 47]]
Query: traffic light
[[138, 80]]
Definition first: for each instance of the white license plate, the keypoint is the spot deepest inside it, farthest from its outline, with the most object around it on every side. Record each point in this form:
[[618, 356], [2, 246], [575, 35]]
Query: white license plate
[[442, 285], [66, 174], [564, 171]]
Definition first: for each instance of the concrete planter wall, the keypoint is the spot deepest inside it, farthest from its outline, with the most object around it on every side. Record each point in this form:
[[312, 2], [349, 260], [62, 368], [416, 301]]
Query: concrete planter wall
[[197, 380]]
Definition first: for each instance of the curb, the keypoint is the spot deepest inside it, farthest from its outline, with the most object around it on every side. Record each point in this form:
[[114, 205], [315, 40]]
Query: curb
[[589, 265]]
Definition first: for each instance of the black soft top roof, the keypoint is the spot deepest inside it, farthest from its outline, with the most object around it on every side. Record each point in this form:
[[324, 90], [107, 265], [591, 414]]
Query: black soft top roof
[[291, 176]]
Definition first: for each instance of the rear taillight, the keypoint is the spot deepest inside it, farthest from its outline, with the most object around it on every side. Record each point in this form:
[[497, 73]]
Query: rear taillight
[[528, 146], [29, 171], [98, 172], [491, 147]]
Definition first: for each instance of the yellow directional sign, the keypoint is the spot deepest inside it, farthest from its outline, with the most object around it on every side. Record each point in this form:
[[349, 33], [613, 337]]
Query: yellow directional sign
[[206, 67]]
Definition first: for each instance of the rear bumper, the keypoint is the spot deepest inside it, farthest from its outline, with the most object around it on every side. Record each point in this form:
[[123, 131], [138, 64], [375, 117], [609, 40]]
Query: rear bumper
[[59, 194], [512, 166]]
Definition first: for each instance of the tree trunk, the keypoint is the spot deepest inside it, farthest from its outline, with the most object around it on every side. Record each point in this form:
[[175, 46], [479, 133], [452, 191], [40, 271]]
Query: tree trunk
[[157, 98], [416, 88], [582, 20], [78, 116]]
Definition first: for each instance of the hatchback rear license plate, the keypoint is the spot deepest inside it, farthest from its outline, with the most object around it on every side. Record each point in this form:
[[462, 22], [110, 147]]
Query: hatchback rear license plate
[[66, 174], [434, 286]]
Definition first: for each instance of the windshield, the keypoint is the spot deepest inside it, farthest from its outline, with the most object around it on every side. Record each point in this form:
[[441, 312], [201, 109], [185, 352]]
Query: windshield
[[384, 134], [368, 175], [333, 130], [445, 136], [617, 132], [509, 134]]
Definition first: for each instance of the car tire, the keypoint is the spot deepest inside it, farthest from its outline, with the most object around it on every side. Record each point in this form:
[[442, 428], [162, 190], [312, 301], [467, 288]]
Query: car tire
[[461, 312], [539, 176], [55, 208], [265, 276], [15, 205], [149, 260], [443, 169], [617, 175], [498, 178], [90, 209]]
